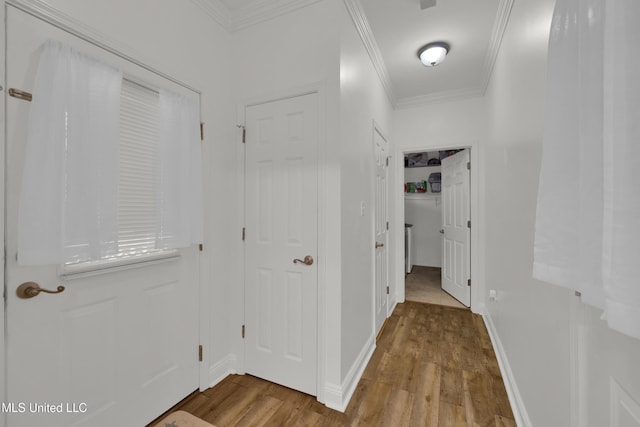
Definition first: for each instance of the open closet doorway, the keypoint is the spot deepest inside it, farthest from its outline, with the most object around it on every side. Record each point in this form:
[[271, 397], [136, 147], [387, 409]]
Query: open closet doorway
[[437, 216]]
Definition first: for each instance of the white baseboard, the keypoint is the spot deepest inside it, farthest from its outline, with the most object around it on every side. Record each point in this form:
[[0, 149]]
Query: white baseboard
[[338, 396], [515, 399], [222, 369]]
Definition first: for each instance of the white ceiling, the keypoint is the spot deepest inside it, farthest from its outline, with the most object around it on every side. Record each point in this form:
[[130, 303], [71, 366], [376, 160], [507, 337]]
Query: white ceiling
[[394, 30]]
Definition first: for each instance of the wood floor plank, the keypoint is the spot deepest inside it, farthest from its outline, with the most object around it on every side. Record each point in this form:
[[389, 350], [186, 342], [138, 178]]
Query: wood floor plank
[[397, 411], [433, 366], [426, 400]]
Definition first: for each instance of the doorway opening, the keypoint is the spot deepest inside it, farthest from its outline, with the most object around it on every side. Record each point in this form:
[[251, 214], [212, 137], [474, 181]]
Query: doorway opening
[[437, 217]]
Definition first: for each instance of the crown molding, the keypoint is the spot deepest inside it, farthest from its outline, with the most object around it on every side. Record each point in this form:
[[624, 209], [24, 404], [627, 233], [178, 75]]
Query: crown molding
[[439, 97], [497, 34], [354, 7], [216, 11], [263, 10]]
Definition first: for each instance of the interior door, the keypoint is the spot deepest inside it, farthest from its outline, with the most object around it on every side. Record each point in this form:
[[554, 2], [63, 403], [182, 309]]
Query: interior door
[[118, 346], [281, 242], [381, 222], [456, 215]]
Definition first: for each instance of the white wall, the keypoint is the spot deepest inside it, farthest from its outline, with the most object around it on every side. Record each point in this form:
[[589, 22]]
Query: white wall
[[179, 40], [425, 214], [363, 101], [286, 56], [431, 127], [567, 367]]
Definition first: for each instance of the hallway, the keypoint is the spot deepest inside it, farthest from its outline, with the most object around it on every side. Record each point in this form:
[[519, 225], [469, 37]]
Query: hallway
[[433, 366]]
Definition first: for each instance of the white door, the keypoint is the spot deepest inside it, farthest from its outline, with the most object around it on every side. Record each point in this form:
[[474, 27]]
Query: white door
[[456, 225], [116, 347], [281, 233], [381, 223]]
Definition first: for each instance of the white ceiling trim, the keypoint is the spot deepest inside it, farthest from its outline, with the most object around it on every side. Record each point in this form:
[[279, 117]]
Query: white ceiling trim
[[264, 10], [499, 27], [439, 97], [354, 7], [216, 11]]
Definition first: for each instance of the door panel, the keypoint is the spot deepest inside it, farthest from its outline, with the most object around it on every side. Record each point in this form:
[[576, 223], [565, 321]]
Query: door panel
[[281, 225], [381, 232], [120, 345], [456, 184]]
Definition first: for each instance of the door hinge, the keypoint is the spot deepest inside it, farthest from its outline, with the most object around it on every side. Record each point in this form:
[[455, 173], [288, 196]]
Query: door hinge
[[200, 353], [201, 131], [242, 331], [468, 282], [469, 224], [387, 161], [387, 225], [243, 233], [244, 133], [201, 247], [468, 165], [387, 290]]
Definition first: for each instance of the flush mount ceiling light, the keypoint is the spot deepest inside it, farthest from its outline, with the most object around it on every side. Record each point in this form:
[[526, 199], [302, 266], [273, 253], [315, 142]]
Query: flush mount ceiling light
[[433, 53]]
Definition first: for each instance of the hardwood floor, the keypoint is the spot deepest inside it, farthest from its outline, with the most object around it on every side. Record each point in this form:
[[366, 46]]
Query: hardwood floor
[[433, 366]]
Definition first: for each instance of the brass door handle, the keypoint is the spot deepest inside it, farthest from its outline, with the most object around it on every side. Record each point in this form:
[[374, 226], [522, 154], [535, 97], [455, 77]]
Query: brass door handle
[[379, 245], [308, 260], [32, 289]]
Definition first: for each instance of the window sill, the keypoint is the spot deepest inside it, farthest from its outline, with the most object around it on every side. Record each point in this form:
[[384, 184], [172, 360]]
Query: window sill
[[88, 269]]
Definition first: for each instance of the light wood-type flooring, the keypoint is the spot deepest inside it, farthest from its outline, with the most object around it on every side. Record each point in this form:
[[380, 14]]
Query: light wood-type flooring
[[424, 284], [433, 366]]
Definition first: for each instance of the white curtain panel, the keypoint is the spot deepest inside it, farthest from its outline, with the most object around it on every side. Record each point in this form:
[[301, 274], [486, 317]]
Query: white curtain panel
[[180, 206], [68, 200], [587, 235]]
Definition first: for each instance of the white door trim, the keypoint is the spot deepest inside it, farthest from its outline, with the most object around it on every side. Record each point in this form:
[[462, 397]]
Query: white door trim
[[319, 89], [477, 236], [3, 91]]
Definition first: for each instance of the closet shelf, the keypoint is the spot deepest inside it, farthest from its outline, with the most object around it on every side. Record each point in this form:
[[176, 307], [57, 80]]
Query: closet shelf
[[421, 196]]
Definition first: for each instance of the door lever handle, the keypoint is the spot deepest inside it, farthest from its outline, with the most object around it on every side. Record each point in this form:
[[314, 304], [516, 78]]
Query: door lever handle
[[32, 289], [379, 245], [308, 260]]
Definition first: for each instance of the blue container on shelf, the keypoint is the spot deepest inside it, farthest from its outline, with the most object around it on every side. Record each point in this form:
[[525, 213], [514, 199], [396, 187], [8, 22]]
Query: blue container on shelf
[[435, 180]]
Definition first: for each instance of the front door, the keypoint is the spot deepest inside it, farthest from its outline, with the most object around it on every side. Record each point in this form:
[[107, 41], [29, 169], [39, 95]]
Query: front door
[[457, 227], [281, 242], [381, 222], [118, 346]]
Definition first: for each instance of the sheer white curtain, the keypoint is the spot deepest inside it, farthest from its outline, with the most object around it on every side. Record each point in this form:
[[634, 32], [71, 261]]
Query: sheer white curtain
[[180, 220], [587, 234], [68, 200]]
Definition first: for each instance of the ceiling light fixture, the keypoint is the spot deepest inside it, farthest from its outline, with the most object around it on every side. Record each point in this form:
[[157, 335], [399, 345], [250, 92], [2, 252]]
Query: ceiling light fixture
[[433, 54]]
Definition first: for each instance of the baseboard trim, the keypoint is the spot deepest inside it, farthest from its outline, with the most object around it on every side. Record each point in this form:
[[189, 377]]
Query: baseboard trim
[[222, 369], [337, 397], [515, 399]]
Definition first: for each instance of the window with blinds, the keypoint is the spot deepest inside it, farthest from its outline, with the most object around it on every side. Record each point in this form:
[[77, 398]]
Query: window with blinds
[[138, 156]]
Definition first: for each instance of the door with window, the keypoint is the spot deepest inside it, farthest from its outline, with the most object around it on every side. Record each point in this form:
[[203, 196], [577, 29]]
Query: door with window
[[116, 342], [281, 280]]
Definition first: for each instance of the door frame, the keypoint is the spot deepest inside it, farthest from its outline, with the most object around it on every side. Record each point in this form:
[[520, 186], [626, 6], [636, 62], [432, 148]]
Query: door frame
[[317, 88], [477, 273], [3, 112], [58, 19]]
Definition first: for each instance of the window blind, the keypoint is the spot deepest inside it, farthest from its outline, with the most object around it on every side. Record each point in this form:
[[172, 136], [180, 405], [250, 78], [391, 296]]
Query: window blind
[[138, 177]]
